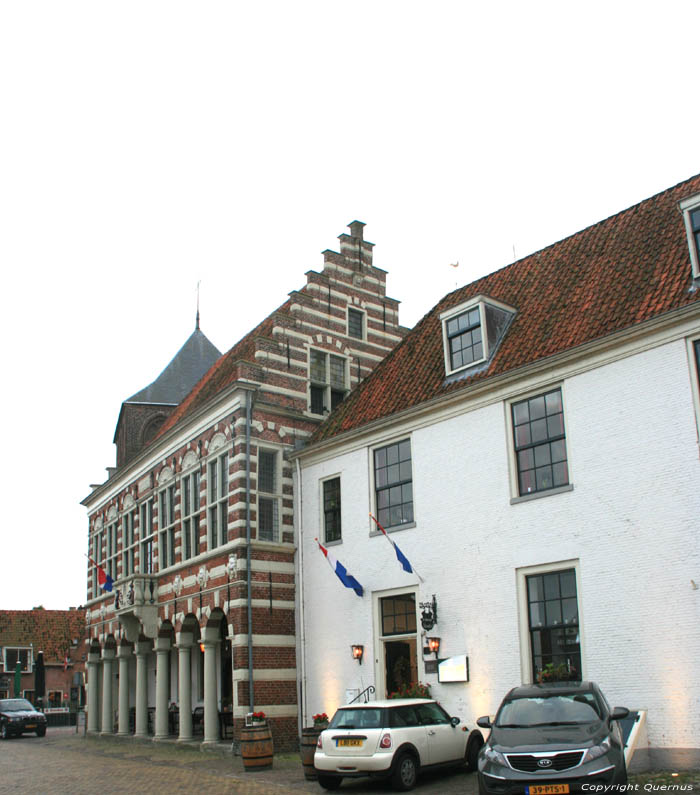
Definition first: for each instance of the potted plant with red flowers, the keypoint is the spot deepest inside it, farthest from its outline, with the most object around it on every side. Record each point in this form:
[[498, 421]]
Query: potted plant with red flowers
[[307, 747]]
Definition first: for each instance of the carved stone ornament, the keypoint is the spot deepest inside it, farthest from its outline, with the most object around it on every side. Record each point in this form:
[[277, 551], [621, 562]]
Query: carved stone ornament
[[129, 502], [202, 576], [217, 442], [112, 513], [165, 475], [102, 610], [177, 585], [98, 524], [190, 460]]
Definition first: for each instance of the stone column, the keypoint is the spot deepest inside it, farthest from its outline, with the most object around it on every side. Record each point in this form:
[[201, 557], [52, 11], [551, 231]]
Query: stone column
[[125, 653], [184, 685], [162, 646], [210, 639], [107, 685], [143, 649], [93, 672]]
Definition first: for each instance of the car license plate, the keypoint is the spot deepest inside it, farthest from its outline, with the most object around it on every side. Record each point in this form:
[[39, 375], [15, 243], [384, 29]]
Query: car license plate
[[30, 726], [350, 742], [547, 789]]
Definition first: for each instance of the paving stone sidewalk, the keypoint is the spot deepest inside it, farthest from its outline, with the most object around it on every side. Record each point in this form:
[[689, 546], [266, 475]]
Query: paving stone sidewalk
[[66, 763]]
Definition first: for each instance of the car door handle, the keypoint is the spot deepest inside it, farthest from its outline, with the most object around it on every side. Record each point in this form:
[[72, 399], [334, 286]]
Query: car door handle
[[432, 731]]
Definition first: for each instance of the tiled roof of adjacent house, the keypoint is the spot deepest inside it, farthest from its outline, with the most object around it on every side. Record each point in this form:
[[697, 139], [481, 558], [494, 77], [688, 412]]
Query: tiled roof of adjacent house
[[50, 631], [622, 271]]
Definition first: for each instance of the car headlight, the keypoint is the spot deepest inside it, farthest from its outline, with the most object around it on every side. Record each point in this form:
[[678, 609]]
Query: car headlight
[[598, 750], [492, 755]]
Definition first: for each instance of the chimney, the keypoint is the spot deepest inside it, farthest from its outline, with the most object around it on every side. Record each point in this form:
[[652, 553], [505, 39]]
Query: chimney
[[355, 248]]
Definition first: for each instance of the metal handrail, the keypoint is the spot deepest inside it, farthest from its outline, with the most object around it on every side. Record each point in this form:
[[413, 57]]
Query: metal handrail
[[366, 693]]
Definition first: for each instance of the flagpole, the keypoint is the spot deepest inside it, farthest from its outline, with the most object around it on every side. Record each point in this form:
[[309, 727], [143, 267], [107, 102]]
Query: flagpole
[[393, 544]]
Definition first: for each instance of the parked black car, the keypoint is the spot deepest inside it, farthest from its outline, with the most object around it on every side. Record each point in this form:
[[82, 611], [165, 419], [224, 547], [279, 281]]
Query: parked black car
[[551, 739], [17, 715]]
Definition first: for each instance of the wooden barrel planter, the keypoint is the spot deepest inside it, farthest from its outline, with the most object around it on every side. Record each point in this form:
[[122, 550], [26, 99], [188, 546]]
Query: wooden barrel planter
[[307, 749], [256, 746]]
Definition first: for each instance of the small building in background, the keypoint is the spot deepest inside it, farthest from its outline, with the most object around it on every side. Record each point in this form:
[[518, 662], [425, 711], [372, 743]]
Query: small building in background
[[59, 635]]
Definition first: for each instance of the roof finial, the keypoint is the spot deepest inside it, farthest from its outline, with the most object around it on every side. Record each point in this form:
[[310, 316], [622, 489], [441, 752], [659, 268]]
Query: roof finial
[[196, 327]]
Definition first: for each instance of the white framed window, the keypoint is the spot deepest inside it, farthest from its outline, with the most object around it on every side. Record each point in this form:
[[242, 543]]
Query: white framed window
[[129, 543], [472, 331], [191, 514], [330, 505], [166, 527], [393, 483], [690, 208], [217, 501], [110, 564], [328, 378], [356, 323], [22, 653], [269, 495], [694, 361], [550, 619], [538, 454], [97, 558], [147, 536]]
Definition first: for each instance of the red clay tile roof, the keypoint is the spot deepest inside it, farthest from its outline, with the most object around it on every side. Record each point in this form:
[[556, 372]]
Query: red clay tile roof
[[624, 270], [50, 631], [223, 372]]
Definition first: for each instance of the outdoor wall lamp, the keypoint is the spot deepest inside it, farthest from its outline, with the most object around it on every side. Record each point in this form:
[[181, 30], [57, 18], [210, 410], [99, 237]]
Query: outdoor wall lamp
[[201, 647], [358, 651], [434, 646]]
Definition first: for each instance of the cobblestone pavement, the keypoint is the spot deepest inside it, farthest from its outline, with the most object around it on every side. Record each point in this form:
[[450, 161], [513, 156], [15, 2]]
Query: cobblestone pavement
[[66, 763]]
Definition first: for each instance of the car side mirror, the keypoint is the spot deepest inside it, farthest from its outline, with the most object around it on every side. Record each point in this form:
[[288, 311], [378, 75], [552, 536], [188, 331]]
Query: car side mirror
[[484, 722], [618, 713], [454, 721]]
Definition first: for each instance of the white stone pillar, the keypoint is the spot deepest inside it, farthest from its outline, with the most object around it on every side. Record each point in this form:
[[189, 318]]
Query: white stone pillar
[[210, 639], [107, 686], [184, 647], [143, 649], [162, 646], [93, 672], [125, 653]]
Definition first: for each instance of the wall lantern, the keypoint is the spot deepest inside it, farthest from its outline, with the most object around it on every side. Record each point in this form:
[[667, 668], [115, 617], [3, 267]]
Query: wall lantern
[[358, 651], [201, 647], [434, 646]]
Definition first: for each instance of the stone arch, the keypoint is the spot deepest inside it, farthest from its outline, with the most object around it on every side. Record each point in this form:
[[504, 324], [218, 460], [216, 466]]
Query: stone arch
[[190, 460], [165, 475], [217, 442], [151, 428]]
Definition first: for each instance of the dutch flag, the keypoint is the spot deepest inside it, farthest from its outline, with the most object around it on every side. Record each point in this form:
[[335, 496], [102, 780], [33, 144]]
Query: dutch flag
[[403, 560], [347, 579]]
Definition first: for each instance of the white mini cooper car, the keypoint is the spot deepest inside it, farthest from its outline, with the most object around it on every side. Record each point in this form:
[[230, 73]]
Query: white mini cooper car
[[396, 738]]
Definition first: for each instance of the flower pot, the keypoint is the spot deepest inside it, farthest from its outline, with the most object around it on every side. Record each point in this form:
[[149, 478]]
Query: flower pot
[[307, 749], [256, 746]]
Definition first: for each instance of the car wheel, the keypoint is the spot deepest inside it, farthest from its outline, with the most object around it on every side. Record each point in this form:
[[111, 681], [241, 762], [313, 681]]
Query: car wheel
[[405, 772], [41, 732], [482, 788], [3, 731], [329, 782], [471, 755]]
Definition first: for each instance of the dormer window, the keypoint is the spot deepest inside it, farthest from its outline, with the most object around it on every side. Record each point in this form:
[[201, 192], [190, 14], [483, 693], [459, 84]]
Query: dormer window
[[691, 215], [472, 331]]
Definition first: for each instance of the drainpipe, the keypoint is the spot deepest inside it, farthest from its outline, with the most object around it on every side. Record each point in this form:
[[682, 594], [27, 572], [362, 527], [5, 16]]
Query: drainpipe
[[300, 586], [249, 554]]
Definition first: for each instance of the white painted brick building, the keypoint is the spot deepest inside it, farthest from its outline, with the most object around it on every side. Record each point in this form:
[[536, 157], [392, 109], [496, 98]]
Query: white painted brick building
[[590, 560]]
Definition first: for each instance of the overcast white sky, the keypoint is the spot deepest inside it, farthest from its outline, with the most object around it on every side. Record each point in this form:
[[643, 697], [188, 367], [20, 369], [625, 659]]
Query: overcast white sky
[[148, 145]]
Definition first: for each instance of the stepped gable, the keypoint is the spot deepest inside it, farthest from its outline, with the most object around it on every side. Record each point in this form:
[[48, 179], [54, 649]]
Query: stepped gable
[[50, 631], [622, 271], [224, 372]]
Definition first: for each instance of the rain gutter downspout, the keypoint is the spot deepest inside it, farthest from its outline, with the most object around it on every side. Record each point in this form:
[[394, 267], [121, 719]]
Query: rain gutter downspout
[[249, 553], [300, 580]]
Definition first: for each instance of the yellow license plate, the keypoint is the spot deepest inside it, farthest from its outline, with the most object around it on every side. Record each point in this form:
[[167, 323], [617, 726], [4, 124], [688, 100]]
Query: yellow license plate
[[30, 726], [548, 789], [350, 742]]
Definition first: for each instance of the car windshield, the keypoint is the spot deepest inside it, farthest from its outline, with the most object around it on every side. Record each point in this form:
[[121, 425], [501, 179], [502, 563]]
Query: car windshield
[[15, 705], [357, 718], [560, 709]]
